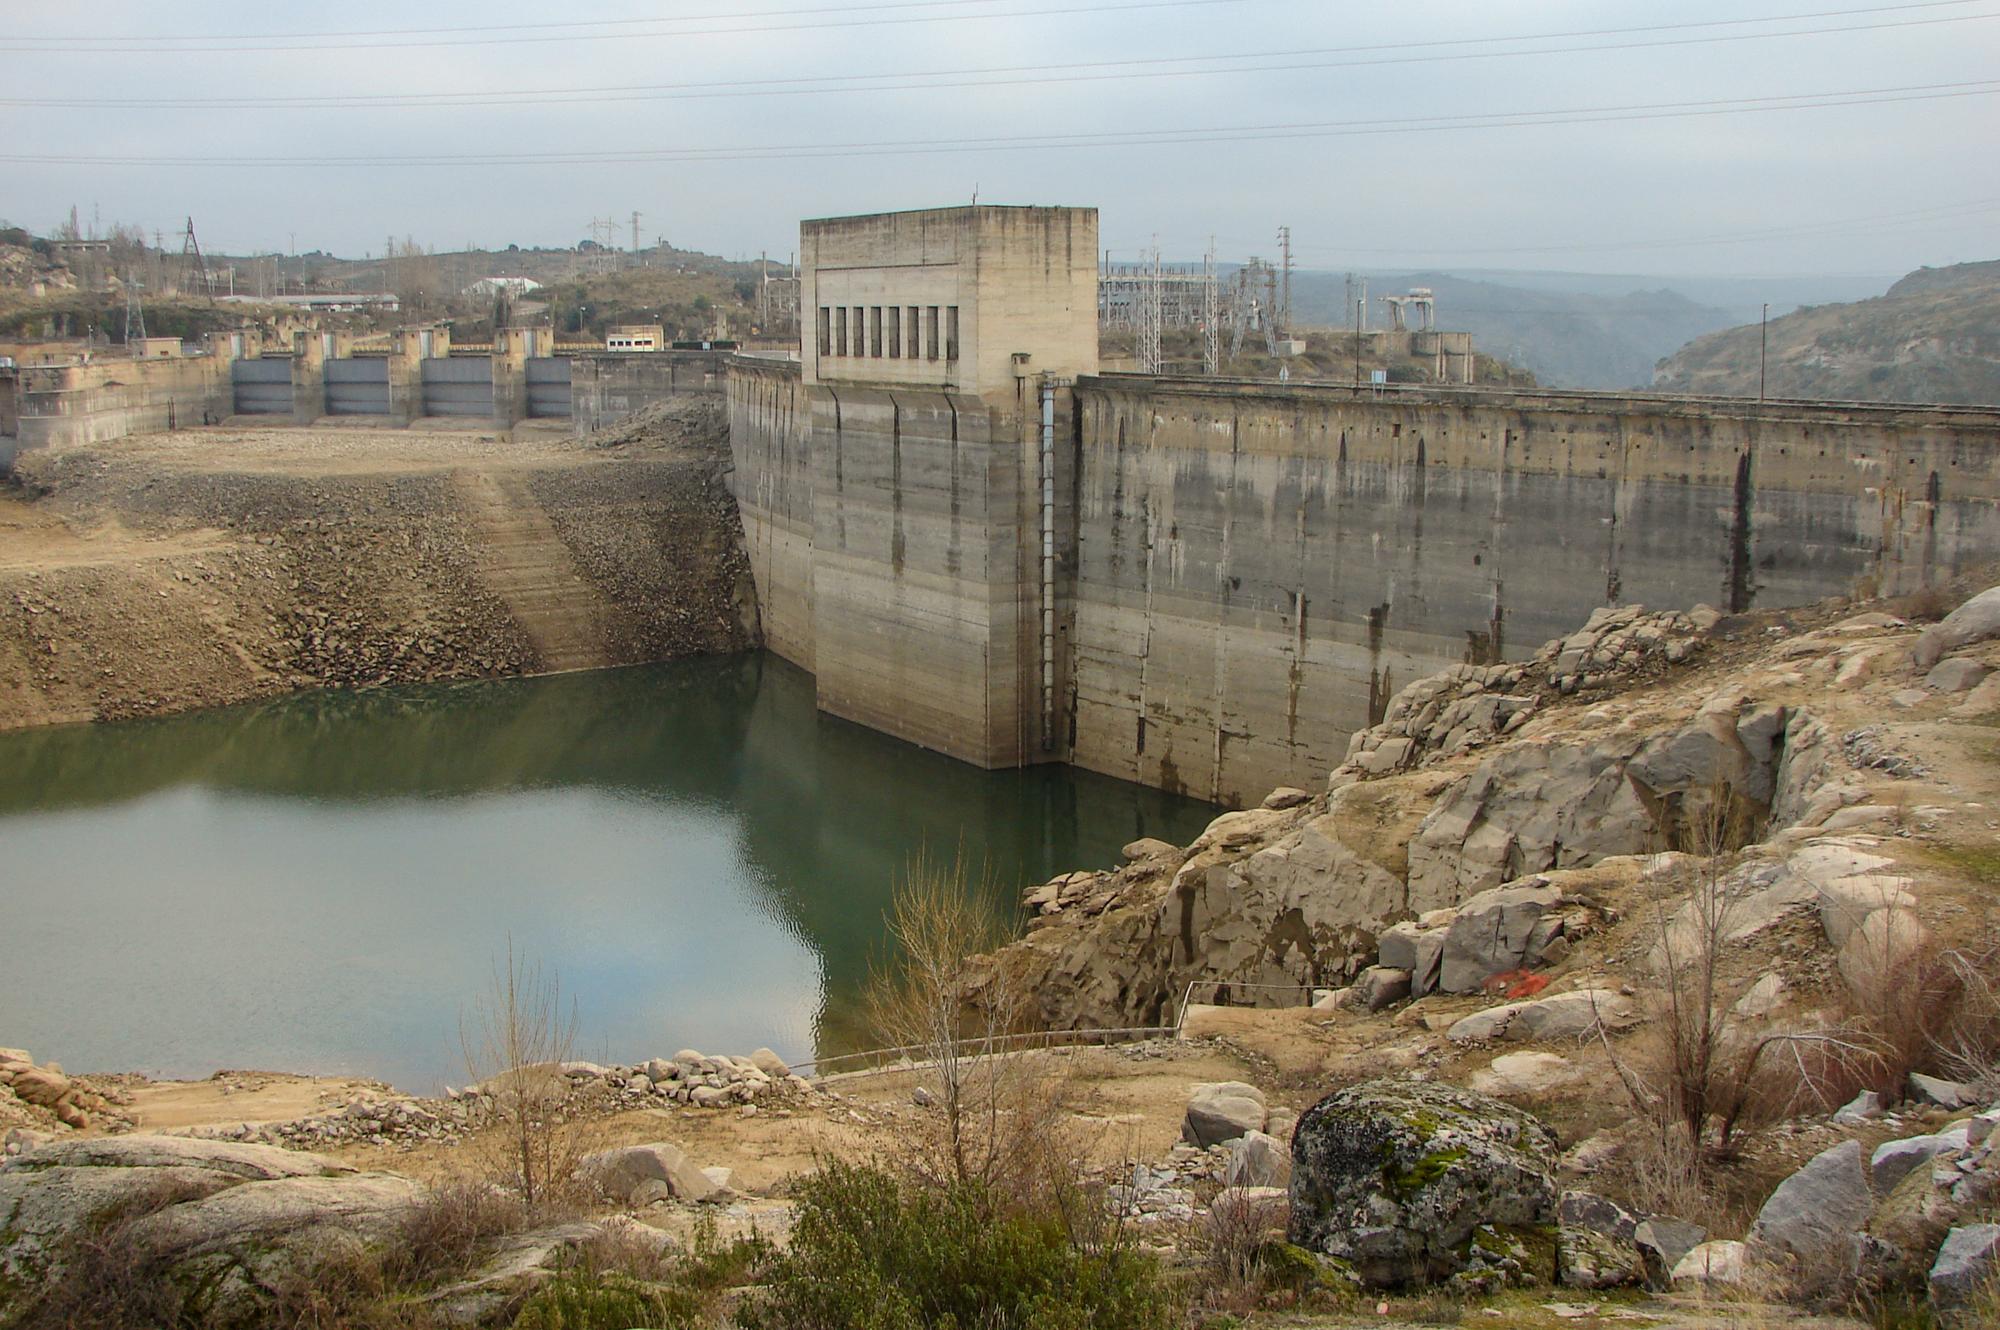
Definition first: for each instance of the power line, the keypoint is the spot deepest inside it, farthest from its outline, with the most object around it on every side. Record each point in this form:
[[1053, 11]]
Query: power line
[[1019, 75], [1096, 139], [152, 43], [515, 27], [1832, 228]]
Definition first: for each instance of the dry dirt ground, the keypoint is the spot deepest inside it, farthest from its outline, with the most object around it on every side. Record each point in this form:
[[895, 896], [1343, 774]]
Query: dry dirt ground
[[169, 571]]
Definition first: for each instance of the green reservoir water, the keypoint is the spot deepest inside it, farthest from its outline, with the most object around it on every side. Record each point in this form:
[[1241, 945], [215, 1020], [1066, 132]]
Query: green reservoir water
[[322, 883]]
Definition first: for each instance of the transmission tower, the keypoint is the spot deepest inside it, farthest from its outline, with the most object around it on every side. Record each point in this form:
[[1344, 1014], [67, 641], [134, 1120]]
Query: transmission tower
[[1211, 315], [193, 266], [1283, 314], [1150, 297], [135, 313], [635, 231], [1245, 308]]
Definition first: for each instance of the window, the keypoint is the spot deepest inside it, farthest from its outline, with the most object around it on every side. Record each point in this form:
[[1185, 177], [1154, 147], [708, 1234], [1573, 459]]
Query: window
[[840, 328], [825, 331], [894, 322], [916, 327], [931, 332], [951, 332], [875, 331]]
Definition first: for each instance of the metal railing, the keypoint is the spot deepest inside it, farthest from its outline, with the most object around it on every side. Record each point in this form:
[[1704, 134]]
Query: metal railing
[[899, 1058]]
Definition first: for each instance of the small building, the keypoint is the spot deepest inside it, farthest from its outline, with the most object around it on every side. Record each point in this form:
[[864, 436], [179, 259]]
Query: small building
[[636, 337], [968, 299], [155, 348]]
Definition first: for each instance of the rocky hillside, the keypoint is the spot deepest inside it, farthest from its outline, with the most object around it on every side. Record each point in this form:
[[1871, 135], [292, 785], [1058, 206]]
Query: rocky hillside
[[1934, 336], [204, 567]]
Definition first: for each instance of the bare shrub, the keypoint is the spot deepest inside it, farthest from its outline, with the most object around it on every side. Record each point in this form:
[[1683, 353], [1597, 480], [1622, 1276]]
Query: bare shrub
[[1000, 1114], [1236, 1239], [515, 1044], [1919, 1005], [1700, 1073], [444, 1234]]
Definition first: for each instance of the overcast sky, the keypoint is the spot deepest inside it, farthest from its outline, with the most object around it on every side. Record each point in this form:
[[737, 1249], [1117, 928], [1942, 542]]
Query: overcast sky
[[1911, 177]]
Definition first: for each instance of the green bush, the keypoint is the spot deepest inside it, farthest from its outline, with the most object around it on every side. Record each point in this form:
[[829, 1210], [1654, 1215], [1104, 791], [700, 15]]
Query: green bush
[[592, 1300], [872, 1252]]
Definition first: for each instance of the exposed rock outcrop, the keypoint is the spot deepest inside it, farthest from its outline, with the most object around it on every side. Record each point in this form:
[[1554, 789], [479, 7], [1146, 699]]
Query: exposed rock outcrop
[[1411, 1182]]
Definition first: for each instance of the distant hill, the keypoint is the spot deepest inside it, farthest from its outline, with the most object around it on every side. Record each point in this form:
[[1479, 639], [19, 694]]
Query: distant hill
[[1933, 337], [1568, 339]]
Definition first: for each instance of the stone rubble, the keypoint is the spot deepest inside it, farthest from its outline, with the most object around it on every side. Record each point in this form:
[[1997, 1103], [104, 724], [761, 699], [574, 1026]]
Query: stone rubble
[[43, 1096], [1468, 706], [689, 1078]]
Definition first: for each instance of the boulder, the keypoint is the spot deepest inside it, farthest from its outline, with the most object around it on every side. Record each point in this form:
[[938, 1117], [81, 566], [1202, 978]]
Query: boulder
[[514, 1267], [1298, 907], [1662, 1243], [1420, 950], [1719, 1262], [1282, 1123], [642, 1174], [1976, 620], [1868, 1104], [1258, 1160], [1943, 1093], [1483, 1026], [1525, 1074], [1956, 675], [290, 1216], [1378, 986], [1881, 949], [1599, 1214], [1491, 935], [1761, 998], [223, 1215], [1845, 903], [1893, 1160], [1588, 1259], [1286, 796], [1222, 1111], [1403, 1180], [770, 1064], [1814, 1214], [1967, 1262], [1573, 1015]]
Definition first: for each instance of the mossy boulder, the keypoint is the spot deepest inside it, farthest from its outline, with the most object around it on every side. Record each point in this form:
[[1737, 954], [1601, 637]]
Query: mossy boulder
[[1408, 1182]]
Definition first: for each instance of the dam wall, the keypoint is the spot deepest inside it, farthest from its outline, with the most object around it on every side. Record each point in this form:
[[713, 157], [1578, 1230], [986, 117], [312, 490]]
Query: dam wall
[[97, 400], [1244, 573], [883, 528], [1259, 567]]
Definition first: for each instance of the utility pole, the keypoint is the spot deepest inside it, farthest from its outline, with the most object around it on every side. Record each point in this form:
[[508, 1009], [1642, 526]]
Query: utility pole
[[1359, 306], [1284, 311], [635, 232], [1763, 348], [1211, 332]]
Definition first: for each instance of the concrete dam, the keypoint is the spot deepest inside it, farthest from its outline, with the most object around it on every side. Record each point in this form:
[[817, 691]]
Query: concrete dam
[[978, 543]]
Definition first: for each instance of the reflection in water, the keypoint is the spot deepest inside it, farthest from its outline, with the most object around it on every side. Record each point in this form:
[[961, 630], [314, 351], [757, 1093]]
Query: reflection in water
[[320, 883]]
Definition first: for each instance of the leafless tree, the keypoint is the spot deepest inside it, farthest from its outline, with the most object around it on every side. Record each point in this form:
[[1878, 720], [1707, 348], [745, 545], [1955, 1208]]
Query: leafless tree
[[515, 1043], [999, 1114]]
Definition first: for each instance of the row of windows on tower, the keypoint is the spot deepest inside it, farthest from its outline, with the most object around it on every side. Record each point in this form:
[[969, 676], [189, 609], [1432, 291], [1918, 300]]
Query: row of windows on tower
[[889, 332]]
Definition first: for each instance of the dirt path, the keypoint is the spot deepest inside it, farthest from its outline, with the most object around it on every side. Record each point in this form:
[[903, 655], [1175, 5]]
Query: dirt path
[[520, 558]]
